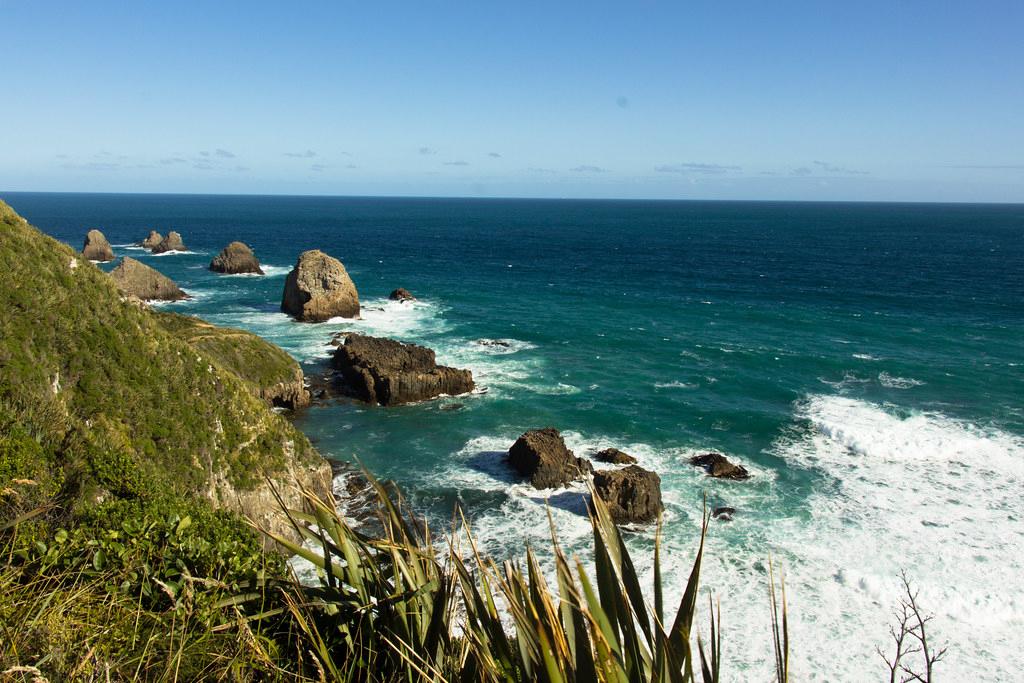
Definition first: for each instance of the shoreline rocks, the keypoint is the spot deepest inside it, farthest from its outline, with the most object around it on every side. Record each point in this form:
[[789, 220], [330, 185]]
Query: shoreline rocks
[[152, 240], [172, 242], [719, 466], [401, 294], [390, 373], [632, 494], [96, 247], [235, 259], [137, 279], [542, 456], [318, 288]]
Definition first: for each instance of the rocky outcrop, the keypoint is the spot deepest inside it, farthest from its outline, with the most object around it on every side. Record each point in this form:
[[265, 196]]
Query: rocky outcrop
[[724, 513], [319, 288], [291, 394], [154, 239], [632, 494], [542, 456], [170, 243], [96, 247], [718, 466], [139, 280], [236, 258], [401, 294], [615, 457], [389, 372]]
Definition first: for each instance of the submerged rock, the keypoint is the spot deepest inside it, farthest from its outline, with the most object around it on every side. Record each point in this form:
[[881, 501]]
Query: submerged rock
[[632, 494], [389, 372], [614, 456], [96, 247], [724, 513], [236, 258], [172, 242], [718, 466], [541, 455], [139, 280], [318, 288], [401, 294], [152, 240]]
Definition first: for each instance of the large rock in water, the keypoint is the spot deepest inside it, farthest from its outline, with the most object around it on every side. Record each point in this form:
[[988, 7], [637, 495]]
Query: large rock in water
[[719, 466], [389, 372], [401, 294], [541, 455], [139, 280], [170, 243], [319, 288], [96, 247], [154, 239], [632, 494], [236, 258]]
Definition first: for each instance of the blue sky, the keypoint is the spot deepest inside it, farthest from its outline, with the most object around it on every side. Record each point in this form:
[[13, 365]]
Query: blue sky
[[920, 101]]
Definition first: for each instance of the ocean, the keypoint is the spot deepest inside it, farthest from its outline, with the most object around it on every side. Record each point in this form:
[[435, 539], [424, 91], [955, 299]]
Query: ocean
[[864, 361]]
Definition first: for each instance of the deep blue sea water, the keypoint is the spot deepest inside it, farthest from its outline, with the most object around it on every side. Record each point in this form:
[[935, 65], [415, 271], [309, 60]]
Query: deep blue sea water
[[864, 361]]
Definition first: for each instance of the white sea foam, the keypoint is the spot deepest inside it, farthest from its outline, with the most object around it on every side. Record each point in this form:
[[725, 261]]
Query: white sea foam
[[402, 320], [676, 384], [864, 356], [176, 252], [891, 382], [275, 271], [922, 492]]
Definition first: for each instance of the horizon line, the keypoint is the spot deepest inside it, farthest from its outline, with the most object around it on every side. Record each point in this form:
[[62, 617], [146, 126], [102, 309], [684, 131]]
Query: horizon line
[[515, 198]]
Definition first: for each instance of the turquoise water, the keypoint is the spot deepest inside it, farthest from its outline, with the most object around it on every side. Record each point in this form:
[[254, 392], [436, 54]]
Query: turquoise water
[[864, 361]]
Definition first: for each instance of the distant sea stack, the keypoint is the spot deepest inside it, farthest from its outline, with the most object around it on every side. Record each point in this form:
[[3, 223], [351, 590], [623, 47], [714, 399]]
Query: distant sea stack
[[139, 280], [401, 294], [389, 372], [170, 243], [96, 247], [154, 239], [318, 288], [235, 259], [632, 494]]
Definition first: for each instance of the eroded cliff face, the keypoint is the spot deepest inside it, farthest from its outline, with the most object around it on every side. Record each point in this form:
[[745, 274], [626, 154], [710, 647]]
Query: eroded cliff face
[[129, 403]]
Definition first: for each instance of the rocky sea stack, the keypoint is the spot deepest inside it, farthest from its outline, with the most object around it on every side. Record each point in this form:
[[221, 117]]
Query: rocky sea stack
[[139, 280], [719, 466], [318, 288], [401, 294], [172, 242], [542, 456], [236, 258], [389, 372], [632, 494], [154, 239], [96, 247]]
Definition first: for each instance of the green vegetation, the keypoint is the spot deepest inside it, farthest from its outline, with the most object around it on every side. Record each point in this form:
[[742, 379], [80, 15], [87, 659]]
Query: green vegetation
[[243, 353]]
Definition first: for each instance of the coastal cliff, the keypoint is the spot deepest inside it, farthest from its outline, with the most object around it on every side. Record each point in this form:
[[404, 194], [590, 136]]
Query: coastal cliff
[[103, 400]]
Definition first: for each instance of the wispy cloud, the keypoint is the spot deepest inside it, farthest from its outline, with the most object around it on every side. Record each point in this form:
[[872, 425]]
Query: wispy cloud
[[223, 153], [168, 161], [202, 165], [93, 166], [240, 169], [826, 167], [694, 167], [427, 151], [456, 163], [308, 154], [318, 168], [801, 171], [494, 155], [588, 169], [204, 154], [989, 167], [622, 102]]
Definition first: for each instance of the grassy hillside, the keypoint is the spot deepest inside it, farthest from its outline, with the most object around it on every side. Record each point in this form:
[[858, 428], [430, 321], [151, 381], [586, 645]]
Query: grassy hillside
[[112, 394]]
